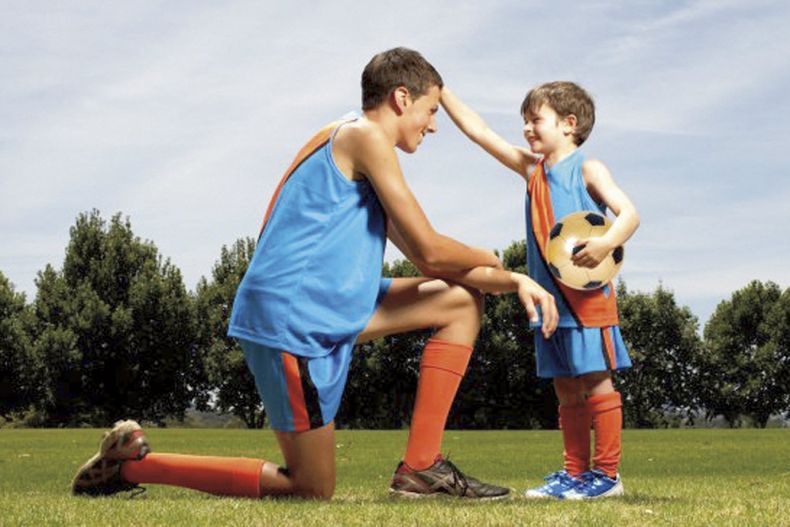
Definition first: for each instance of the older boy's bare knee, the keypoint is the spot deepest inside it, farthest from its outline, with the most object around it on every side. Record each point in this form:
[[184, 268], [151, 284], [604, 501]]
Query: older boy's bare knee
[[467, 303], [314, 490]]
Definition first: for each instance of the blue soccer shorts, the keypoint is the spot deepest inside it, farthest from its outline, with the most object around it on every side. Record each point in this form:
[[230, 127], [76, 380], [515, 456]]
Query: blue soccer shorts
[[571, 352]]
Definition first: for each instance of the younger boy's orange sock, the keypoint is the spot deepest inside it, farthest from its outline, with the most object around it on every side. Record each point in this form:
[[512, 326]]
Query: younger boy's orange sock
[[607, 417], [224, 476], [575, 423], [442, 367]]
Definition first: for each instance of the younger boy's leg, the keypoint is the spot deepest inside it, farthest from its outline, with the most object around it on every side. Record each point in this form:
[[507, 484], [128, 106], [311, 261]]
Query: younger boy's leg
[[605, 406], [455, 313], [575, 426], [575, 421]]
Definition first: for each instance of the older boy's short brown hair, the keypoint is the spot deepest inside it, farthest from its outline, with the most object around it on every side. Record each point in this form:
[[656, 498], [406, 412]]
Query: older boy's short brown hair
[[393, 68], [565, 98]]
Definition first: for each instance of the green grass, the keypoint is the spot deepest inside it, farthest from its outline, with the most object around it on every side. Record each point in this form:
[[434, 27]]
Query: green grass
[[679, 477]]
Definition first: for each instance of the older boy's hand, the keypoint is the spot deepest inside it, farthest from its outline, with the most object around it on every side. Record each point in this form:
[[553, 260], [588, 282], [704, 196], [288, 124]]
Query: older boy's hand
[[594, 251], [531, 294]]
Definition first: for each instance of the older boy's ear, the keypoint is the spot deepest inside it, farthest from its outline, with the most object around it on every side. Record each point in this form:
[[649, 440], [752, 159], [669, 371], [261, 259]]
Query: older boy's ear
[[400, 98]]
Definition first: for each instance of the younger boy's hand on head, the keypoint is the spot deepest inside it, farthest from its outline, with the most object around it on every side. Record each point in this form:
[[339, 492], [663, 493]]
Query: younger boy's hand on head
[[532, 295], [594, 251]]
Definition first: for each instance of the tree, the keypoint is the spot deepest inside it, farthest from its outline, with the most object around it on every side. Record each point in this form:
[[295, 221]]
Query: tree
[[116, 328], [745, 362], [226, 372], [501, 388], [382, 379], [778, 328], [663, 344], [21, 368]]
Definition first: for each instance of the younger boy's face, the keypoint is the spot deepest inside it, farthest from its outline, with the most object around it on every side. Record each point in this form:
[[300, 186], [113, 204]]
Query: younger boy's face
[[419, 119], [545, 131]]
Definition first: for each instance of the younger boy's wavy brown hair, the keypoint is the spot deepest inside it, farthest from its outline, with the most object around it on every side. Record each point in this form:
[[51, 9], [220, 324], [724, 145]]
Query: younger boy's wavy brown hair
[[566, 98]]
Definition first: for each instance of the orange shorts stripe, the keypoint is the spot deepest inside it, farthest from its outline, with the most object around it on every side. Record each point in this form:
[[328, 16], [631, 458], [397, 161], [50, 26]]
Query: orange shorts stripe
[[608, 345], [295, 393]]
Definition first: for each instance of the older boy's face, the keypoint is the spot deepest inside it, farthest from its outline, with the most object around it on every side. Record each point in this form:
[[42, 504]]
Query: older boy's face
[[420, 119]]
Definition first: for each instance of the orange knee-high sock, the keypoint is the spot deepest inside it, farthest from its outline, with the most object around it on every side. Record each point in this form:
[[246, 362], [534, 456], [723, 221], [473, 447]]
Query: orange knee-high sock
[[575, 423], [227, 476], [607, 417], [442, 367]]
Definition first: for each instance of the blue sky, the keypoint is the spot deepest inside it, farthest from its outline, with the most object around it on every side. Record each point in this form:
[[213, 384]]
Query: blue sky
[[183, 116]]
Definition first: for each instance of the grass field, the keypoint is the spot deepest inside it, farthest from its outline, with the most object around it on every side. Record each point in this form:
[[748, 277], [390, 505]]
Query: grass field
[[679, 477]]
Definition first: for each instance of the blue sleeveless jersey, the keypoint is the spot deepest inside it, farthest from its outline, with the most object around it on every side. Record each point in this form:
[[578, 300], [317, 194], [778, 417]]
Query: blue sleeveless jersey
[[568, 194], [313, 281]]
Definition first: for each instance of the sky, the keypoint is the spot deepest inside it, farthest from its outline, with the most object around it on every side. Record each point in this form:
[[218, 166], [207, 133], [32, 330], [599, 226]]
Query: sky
[[183, 115]]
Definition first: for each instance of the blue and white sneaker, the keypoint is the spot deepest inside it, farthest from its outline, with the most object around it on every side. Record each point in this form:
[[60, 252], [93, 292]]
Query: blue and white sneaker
[[596, 485], [557, 485]]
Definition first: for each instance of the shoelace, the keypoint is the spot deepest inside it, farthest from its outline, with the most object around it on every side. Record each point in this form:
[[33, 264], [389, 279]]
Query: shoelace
[[137, 491], [458, 477]]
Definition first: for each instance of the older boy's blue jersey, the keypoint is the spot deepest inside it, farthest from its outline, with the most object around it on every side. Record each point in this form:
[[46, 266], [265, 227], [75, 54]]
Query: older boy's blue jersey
[[567, 193], [313, 281]]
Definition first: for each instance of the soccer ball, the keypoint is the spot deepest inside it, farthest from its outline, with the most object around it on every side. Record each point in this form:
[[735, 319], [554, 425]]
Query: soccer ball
[[562, 245]]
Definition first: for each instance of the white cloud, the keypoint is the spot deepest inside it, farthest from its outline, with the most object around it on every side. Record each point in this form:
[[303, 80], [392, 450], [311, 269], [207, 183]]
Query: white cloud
[[183, 116]]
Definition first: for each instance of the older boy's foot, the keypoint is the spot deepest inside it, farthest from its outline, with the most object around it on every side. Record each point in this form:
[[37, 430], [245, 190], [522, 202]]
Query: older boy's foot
[[557, 484], [101, 474], [596, 485], [442, 478]]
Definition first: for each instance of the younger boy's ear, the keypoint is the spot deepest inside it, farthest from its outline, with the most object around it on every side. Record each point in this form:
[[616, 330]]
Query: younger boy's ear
[[400, 98], [569, 124]]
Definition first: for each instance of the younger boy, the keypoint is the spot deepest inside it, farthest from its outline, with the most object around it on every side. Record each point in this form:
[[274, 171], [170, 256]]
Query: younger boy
[[558, 118], [314, 288]]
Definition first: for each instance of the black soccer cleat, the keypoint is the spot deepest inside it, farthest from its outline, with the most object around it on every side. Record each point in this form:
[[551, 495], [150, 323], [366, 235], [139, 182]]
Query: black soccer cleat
[[101, 474], [442, 478]]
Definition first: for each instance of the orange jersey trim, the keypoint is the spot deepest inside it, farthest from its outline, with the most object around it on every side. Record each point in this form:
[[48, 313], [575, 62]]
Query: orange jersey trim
[[316, 142], [591, 308]]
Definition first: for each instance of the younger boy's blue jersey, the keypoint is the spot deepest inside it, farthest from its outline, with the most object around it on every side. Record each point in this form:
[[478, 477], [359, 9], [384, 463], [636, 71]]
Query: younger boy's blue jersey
[[313, 281], [568, 193]]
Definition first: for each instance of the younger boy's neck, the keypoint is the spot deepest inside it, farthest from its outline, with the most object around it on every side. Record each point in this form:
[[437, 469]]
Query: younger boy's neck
[[555, 156]]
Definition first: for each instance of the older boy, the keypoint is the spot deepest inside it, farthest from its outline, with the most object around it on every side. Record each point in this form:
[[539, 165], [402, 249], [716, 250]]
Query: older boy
[[558, 118], [314, 288]]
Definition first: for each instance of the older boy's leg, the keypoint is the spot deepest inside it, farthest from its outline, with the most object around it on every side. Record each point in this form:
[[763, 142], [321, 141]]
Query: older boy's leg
[[455, 313], [124, 461]]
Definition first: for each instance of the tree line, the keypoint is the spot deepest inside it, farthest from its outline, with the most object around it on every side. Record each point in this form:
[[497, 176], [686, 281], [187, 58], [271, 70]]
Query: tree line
[[114, 333]]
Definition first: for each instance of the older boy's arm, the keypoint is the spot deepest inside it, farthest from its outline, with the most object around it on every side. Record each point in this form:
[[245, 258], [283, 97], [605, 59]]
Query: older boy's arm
[[489, 280], [603, 189], [395, 237], [470, 123], [432, 252]]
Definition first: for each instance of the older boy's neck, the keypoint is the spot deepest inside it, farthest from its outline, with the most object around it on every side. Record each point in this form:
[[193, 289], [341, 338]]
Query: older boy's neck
[[385, 119], [555, 156]]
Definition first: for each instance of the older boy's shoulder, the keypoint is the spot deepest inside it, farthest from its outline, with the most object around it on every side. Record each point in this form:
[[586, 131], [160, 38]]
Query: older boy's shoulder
[[361, 133]]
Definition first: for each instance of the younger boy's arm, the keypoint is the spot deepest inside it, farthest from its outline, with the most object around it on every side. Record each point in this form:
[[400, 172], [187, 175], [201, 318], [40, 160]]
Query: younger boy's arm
[[491, 280], [603, 189], [470, 123]]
